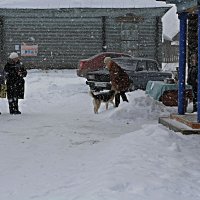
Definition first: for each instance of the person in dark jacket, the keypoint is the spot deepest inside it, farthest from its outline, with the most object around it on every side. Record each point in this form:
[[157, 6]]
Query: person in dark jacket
[[193, 80], [15, 73], [119, 80]]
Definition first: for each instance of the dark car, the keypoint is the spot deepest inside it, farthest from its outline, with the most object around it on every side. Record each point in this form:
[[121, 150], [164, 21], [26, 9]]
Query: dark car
[[96, 62], [140, 71]]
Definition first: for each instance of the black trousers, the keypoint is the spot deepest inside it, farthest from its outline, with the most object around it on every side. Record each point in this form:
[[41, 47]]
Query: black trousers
[[117, 98], [13, 105]]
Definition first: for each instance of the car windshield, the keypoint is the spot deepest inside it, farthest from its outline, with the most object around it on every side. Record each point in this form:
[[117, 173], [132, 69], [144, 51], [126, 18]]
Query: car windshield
[[127, 64], [152, 66]]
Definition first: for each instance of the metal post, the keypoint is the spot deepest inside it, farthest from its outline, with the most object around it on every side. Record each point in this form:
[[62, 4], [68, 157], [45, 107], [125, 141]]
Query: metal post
[[198, 91], [182, 63], [104, 48]]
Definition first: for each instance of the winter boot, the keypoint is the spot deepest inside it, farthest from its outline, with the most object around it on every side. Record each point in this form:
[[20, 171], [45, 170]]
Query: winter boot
[[16, 107], [194, 107], [124, 97], [11, 106], [117, 99]]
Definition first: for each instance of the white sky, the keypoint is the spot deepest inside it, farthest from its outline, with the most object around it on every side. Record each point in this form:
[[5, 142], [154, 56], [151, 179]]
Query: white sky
[[59, 149]]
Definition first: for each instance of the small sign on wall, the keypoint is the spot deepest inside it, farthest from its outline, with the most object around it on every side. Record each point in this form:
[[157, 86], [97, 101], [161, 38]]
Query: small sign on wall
[[29, 50], [16, 47]]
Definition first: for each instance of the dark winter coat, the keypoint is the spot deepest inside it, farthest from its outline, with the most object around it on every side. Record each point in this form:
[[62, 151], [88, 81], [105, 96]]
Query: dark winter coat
[[14, 73], [119, 78]]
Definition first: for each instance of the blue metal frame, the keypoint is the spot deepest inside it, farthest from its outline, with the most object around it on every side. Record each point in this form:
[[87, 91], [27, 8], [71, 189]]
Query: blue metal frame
[[198, 92], [182, 62], [182, 6]]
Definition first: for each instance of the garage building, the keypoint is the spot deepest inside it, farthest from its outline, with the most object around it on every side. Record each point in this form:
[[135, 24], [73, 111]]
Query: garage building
[[59, 38]]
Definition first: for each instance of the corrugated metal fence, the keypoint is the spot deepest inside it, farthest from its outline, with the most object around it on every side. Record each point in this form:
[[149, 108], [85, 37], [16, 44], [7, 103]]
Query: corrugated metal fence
[[170, 53]]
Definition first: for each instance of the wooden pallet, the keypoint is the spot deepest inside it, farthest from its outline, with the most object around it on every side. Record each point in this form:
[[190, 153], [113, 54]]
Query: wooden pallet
[[187, 119]]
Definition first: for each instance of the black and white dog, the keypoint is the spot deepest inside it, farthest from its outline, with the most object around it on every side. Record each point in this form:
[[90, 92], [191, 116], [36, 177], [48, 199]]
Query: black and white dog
[[104, 97]]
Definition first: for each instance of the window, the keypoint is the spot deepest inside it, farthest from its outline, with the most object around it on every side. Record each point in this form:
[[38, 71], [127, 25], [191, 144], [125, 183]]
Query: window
[[127, 64]]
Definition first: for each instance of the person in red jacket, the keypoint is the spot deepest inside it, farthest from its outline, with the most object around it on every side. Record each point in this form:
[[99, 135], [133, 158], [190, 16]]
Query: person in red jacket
[[119, 80]]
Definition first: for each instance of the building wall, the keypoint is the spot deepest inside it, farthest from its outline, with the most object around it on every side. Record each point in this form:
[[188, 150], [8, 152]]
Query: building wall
[[67, 35]]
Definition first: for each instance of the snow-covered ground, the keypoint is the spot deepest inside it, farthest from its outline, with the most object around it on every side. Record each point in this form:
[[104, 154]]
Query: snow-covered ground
[[58, 149]]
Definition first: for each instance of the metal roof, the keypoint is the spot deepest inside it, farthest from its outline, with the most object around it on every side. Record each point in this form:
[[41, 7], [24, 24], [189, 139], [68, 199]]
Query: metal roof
[[47, 4]]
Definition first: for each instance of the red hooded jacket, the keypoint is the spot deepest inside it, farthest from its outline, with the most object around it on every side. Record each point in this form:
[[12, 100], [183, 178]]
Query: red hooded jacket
[[119, 78]]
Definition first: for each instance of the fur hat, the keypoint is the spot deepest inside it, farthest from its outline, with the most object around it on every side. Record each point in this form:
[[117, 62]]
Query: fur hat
[[107, 60], [13, 55]]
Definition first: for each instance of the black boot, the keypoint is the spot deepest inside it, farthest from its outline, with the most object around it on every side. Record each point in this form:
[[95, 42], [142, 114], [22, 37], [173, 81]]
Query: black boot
[[11, 106], [124, 97], [16, 107], [117, 99], [195, 107]]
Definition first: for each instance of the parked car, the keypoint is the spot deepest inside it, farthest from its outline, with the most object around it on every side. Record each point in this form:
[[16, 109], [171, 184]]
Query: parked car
[[140, 71], [96, 62]]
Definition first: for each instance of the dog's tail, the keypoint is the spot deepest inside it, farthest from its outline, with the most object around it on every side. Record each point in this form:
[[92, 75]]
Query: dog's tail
[[91, 94]]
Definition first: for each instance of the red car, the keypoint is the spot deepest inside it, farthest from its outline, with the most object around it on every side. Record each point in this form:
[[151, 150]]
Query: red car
[[96, 62]]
